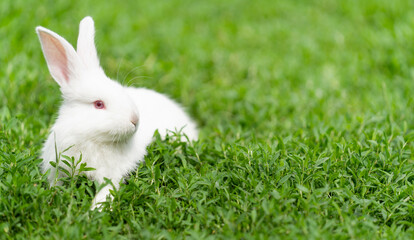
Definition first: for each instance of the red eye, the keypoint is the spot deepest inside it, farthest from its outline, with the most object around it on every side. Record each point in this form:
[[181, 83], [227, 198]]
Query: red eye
[[99, 104]]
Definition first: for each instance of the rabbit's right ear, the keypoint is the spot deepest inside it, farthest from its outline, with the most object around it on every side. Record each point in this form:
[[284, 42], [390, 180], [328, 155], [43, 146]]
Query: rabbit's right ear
[[86, 44], [62, 60]]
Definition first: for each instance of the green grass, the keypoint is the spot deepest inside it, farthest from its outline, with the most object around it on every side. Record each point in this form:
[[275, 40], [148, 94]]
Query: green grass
[[305, 110]]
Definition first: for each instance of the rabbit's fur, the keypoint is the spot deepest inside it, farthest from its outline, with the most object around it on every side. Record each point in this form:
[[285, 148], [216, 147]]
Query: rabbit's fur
[[111, 137]]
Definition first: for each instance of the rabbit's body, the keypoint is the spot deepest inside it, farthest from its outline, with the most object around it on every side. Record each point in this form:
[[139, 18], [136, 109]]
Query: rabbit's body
[[109, 125], [160, 114]]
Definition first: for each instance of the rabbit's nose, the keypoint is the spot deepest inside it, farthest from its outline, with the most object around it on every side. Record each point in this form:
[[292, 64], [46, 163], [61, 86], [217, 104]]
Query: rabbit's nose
[[134, 119]]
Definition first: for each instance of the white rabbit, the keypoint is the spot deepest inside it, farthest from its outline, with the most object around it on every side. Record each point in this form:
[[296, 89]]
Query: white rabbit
[[108, 124]]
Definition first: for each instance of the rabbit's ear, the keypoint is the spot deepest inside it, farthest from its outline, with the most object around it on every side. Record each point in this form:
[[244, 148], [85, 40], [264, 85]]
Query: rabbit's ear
[[61, 57], [86, 44]]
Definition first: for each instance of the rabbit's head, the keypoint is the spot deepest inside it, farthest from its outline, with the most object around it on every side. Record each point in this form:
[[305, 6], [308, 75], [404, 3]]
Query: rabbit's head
[[94, 107]]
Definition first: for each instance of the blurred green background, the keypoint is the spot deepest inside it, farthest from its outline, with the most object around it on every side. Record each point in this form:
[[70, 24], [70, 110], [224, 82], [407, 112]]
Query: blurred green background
[[320, 91]]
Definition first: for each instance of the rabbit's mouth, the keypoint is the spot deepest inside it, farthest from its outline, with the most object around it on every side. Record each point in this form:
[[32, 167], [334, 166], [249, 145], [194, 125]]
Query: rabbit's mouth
[[124, 134]]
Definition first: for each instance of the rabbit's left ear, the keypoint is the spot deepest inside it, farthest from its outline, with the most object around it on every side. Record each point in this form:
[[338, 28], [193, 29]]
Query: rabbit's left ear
[[63, 62], [86, 43]]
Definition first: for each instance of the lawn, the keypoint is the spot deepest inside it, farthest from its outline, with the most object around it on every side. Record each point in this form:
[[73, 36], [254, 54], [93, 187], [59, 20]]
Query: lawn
[[305, 111]]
